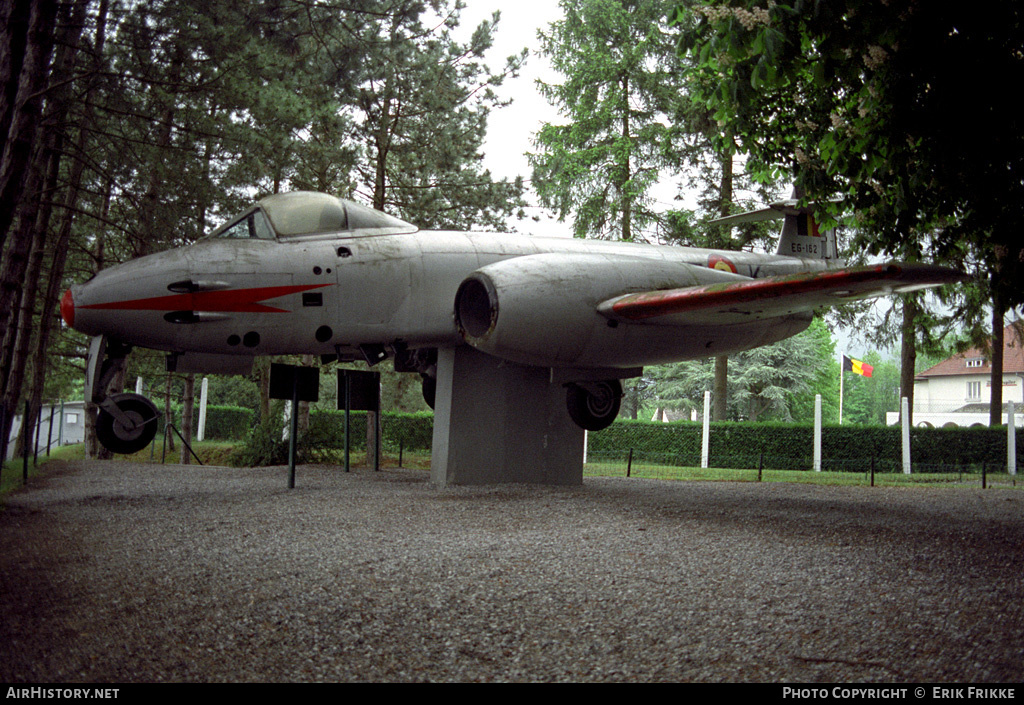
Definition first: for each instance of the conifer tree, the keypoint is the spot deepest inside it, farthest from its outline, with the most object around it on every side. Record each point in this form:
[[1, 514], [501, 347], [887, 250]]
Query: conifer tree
[[621, 85]]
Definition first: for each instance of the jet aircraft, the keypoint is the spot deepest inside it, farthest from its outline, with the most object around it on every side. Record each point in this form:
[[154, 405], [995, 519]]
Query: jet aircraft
[[309, 273]]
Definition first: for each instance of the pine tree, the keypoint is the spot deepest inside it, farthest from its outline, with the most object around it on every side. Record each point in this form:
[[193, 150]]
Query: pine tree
[[420, 113], [622, 83]]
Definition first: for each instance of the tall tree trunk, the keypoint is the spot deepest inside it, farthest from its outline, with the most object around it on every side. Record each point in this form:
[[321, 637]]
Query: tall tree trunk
[[23, 263], [92, 446], [187, 407], [262, 373], [307, 361], [18, 297], [30, 31], [720, 395], [168, 434], [624, 187]]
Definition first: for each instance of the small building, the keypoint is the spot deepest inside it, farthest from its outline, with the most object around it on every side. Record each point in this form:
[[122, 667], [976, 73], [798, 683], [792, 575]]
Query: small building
[[958, 390], [67, 426]]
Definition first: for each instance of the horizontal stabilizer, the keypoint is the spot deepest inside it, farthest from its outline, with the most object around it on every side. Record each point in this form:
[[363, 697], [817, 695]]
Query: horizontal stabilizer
[[800, 235], [773, 211], [772, 297]]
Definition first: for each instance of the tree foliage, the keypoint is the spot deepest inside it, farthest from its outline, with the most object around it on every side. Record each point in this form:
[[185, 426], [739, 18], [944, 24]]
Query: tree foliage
[[128, 128], [774, 382], [621, 85], [903, 109], [418, 86]]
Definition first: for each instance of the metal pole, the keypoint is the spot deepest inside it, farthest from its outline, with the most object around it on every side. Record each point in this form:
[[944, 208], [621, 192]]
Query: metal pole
[[348, 413], [294, 431], [376, 433]]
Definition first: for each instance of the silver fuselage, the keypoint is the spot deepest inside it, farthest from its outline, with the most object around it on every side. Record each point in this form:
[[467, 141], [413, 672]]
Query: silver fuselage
[[327, 294]]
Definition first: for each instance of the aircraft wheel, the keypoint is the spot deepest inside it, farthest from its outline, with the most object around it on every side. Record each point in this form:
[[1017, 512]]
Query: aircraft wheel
[[429, 390], [594, 406], [122, 438]]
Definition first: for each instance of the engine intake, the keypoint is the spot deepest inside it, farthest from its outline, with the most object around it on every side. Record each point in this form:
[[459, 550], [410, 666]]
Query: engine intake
[[476, 306]]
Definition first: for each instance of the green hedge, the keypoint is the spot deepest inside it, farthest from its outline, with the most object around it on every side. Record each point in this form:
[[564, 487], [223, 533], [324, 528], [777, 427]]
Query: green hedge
[[408, 431], [227, 422], [222, 422], [732, 445], [791, 446]]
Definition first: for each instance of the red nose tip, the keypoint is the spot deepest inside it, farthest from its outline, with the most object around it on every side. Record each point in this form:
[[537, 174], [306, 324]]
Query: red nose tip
[[67, 308]]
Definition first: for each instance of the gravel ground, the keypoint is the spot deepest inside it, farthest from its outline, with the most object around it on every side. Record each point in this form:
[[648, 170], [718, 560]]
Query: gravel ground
[[121, 573]]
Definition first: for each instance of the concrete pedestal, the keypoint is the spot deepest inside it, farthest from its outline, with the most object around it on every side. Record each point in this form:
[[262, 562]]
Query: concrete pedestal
[[496, 422]]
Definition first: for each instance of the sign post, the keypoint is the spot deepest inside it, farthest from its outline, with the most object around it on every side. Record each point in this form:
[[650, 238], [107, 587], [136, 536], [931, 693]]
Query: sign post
[[359, 390], [295, 384]]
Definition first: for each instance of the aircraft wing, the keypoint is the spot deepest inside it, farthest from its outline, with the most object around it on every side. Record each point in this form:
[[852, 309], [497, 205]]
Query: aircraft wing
[[772, 297]]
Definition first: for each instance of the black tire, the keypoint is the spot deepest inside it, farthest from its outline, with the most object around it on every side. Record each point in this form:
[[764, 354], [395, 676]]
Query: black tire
[[429, 390], [595, 407], [118, 439]]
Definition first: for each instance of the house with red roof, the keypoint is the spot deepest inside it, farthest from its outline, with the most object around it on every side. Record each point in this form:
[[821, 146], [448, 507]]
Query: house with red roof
[[958, 390]]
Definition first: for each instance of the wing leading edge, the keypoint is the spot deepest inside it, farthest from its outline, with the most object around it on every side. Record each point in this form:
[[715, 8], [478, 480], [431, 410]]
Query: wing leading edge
[[772, 297]]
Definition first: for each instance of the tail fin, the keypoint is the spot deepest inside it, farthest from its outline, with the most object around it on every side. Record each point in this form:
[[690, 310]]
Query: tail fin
[[801, 236]]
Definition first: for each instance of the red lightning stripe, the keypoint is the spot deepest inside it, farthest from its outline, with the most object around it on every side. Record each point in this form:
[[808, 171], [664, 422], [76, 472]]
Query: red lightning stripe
[[228, 301]]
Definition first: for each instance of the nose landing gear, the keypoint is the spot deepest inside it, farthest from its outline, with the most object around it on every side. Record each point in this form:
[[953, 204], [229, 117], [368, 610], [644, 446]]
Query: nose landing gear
[[126, 423]]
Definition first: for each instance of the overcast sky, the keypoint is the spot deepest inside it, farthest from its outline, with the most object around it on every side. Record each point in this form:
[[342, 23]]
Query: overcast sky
[[510, 130]]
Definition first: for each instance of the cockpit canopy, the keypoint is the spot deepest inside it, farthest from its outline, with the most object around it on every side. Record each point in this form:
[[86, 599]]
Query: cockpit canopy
[[306, 213]]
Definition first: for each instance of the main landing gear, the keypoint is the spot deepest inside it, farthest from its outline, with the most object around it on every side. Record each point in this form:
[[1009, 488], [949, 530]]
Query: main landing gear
[[424, 362], [594, 405], [126, 423]]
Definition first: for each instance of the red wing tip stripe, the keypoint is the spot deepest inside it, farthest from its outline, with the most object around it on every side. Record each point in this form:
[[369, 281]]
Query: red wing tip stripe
[[659, 303], [648, 305], [225, 301]]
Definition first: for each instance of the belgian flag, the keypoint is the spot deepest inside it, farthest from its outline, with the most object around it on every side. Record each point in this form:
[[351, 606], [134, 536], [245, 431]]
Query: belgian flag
[[857, 367]]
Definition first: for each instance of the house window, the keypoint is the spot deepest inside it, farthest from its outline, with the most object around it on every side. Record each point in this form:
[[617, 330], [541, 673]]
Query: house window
[[976, 362], [974, 391]]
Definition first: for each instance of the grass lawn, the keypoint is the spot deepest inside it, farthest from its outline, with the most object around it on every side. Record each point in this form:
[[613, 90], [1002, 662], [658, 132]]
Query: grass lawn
[[219, 453]]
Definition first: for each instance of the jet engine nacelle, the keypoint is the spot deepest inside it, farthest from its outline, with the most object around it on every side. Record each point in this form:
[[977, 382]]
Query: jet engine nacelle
[[542, 309]]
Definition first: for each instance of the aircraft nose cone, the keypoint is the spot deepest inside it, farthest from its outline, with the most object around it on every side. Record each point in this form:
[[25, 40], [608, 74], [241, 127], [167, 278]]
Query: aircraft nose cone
[[67, 308]]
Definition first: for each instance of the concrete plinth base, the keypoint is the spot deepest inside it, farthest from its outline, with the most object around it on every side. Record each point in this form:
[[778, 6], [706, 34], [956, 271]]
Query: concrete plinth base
[[496, 421]]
